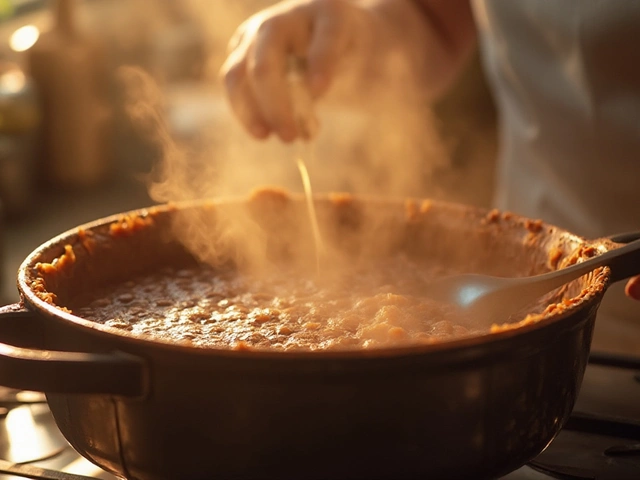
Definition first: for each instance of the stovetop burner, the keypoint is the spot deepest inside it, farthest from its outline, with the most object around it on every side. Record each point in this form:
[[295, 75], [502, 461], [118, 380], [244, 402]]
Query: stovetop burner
[[593, 447], [601, 440]]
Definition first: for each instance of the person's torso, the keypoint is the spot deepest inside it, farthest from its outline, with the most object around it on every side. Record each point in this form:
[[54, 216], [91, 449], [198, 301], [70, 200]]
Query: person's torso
[[566, 78], [566, 75]]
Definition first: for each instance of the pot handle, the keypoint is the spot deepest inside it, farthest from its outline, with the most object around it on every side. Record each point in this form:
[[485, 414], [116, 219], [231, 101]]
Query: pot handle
[[116, 373], [628, 265]]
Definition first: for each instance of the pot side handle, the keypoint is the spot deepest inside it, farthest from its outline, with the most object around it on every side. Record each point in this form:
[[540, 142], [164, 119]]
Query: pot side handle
[[116, 373]]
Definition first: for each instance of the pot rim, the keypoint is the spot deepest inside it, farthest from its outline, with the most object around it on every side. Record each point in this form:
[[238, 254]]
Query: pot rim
[[30, 298]]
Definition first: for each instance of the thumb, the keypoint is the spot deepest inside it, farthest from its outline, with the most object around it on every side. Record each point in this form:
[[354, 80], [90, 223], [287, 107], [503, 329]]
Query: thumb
[[329, 42]]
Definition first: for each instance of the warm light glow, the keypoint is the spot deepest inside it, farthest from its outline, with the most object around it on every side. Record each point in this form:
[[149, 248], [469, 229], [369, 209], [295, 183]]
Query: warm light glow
[[12, 82], [24, 38], [23, 439]]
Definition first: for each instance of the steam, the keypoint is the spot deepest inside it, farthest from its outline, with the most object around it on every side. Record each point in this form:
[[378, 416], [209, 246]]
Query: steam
[[180, 177], [383, 145]]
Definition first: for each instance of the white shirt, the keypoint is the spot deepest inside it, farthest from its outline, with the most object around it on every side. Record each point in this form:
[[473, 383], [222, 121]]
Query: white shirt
[[566, 79]]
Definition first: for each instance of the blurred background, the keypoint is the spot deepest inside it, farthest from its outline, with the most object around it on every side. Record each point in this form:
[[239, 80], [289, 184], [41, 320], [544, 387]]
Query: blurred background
[[71, 151]]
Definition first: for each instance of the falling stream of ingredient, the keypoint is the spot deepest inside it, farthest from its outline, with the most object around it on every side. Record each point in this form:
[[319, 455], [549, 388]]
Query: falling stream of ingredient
[[307, 123], [308, 193]]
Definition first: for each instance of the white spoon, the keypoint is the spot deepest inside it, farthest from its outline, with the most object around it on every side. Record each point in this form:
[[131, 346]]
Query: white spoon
[[490, 299]]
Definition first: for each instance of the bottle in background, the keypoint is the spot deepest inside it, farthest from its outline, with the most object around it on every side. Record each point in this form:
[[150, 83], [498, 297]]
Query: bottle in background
[[70, 72]]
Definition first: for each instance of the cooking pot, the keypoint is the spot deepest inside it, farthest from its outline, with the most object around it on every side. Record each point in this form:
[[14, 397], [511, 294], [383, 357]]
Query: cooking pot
[[146, 409]]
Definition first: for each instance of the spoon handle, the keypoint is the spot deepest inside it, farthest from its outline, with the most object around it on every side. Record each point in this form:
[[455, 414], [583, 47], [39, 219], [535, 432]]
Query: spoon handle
[[624, 262], [626, 237]]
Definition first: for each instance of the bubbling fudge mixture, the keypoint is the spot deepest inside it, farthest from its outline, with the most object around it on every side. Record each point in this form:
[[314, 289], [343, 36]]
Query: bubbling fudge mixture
[[377, 305]]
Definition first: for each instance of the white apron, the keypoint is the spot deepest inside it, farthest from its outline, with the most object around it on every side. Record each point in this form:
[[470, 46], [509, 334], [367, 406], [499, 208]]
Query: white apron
[[566, 79]]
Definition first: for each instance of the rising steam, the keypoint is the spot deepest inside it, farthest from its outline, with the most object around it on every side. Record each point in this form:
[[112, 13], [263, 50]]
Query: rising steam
[[390, 148]]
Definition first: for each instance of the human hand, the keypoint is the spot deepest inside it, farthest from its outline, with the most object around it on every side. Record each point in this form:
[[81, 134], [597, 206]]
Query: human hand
[[633, 288], [324, 32]]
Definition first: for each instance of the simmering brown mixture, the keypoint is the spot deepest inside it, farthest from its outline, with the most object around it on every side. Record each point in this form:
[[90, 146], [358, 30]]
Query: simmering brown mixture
[[367, 307]]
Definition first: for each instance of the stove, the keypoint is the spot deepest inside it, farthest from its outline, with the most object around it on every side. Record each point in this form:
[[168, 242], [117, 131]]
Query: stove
[[601, 440]]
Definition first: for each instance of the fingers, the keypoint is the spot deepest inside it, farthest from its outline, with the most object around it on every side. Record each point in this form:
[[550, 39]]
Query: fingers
[[234, 79], [254, 74], [275, 40], [633, 288], [241, 98]]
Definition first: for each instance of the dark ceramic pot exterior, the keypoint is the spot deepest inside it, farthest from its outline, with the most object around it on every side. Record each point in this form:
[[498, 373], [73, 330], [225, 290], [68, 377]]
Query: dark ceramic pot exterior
[[472, 408]]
